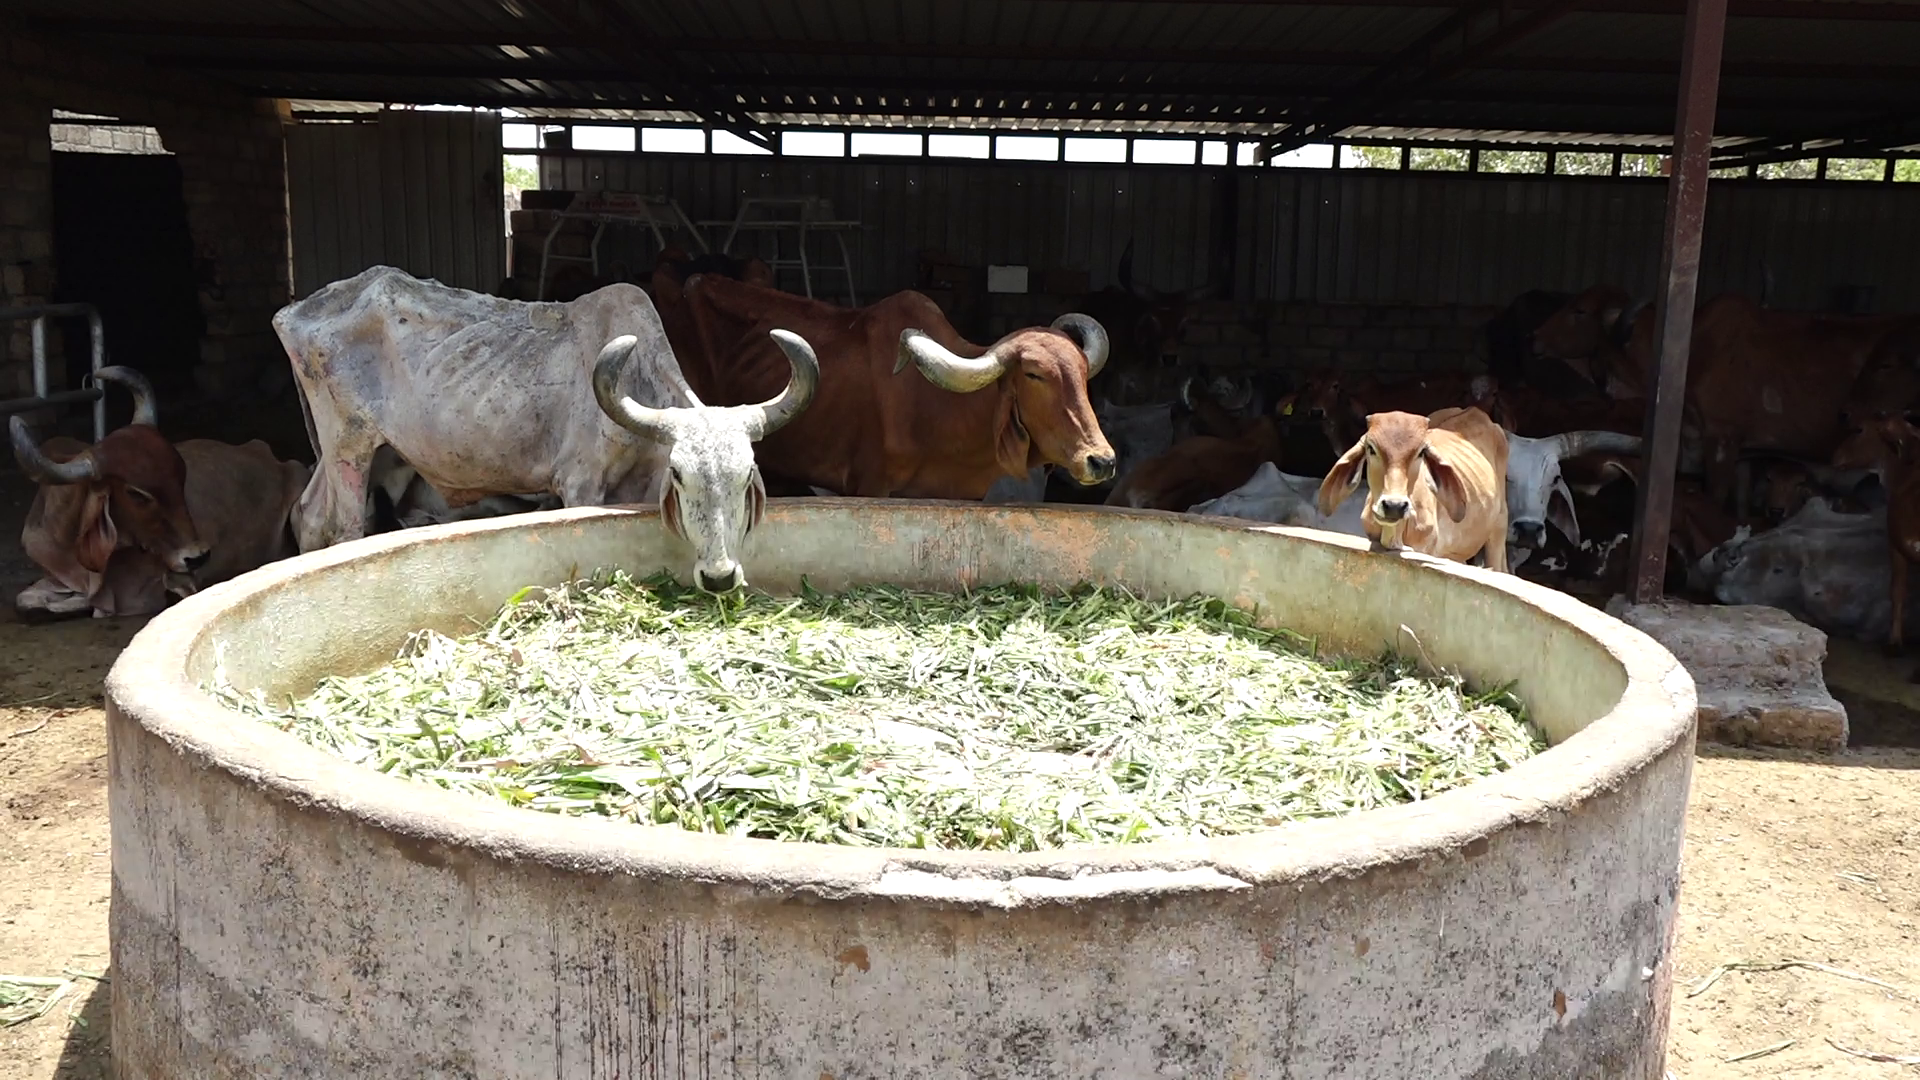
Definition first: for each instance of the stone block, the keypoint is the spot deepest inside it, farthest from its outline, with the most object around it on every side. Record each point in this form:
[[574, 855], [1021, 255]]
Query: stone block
[[1347, 315], [1372, 337], [1326, 336], [1757, 670]]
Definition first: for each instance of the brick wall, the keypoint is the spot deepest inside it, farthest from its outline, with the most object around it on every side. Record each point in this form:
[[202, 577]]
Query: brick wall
[[233, 167]]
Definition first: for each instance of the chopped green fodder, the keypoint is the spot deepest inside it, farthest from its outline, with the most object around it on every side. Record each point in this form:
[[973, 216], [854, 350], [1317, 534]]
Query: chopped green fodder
[[1009, 718]]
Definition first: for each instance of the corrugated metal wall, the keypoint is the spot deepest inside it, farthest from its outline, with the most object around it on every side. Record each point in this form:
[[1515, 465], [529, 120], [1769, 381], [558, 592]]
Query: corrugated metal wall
[[418, 190], [1307, 235]]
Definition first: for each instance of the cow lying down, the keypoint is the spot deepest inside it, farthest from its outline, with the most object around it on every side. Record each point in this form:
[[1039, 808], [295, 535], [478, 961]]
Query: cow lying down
[[1823, 567], [1282, 499], [123, 524]]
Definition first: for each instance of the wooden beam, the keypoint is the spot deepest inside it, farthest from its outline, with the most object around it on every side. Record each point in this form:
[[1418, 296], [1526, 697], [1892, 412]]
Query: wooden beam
[[1679, 282]]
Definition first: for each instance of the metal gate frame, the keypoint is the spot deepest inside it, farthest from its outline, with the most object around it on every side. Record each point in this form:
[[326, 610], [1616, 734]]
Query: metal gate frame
[[41, 398]]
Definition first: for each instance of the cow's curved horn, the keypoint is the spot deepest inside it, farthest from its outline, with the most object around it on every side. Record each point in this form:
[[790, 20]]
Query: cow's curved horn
[[42, 468], [945, 368], [778, 411], [1622, 328], [1125, 273], [1573, 444], [136, 384], [1087, 333], [648, 423]]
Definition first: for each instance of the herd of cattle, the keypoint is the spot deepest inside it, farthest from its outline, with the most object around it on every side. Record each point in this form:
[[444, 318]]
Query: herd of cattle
[[710, 390]]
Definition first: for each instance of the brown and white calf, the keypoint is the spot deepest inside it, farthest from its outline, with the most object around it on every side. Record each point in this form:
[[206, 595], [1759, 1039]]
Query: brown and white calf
[[1435, 484]]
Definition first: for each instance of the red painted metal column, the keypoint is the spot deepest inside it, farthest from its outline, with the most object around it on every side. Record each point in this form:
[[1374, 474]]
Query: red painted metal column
[[1679, 278]]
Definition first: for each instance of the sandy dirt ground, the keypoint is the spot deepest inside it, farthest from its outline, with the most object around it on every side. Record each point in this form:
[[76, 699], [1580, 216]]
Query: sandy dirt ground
[[1805, 858]]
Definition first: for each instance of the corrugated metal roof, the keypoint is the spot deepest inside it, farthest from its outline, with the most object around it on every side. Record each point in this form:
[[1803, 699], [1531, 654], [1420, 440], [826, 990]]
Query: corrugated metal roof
[[1205, 66]]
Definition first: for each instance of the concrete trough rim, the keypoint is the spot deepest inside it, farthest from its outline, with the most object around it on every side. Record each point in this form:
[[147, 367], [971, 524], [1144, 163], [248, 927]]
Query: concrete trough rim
[[150, 684]]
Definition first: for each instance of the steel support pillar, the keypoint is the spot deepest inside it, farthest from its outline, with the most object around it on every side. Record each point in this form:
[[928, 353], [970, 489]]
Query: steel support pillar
[[1679, 280]]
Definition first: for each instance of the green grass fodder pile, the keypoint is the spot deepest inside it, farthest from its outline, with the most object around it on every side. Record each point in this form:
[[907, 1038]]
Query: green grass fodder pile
[[1011, 718]]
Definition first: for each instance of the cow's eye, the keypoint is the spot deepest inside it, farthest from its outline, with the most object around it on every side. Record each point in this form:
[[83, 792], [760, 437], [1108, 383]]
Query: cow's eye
[[1036, 376], [138, 495]]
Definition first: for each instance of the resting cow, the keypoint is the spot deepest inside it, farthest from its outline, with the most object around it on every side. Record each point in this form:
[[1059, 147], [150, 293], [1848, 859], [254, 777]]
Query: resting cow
[[1756, 378], [1273, 496], [1145, 326], [975, 414], [1825, 568], [121, 525], [483, 396], [1435, 484], [1202, 467]]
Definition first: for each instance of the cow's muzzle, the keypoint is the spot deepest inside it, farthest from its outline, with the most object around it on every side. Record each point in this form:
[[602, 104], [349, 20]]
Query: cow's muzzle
[[725, 581], [1529, 534], [1391, 508], [188, 560], [1097, 469]]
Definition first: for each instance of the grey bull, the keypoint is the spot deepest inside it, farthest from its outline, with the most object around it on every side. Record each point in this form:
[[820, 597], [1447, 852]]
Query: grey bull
[[1537, 495], [484, 397]]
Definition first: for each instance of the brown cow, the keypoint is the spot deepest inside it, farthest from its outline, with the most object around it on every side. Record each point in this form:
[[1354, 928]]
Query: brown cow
[[975, 415], [1202, 467], [1536, 415], [1889, 384], [1890, 446], [1342, 405], [119, 525], [1756, 378], [1435, 484], [674, 266], [1146, 326]]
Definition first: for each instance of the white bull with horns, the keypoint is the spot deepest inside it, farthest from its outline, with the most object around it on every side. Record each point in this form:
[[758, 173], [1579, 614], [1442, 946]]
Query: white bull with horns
[[484, 397]]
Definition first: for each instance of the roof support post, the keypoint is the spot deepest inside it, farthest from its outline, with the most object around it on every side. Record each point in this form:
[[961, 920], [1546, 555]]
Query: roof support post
[[1679, 280]]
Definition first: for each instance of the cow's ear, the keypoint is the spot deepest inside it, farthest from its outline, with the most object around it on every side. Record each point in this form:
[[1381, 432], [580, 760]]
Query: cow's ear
[[1446, 484], [1342, 480], [670, 510], [98, 537], [1560, 512], [756, 500], [1610, 315], [1011, 444]]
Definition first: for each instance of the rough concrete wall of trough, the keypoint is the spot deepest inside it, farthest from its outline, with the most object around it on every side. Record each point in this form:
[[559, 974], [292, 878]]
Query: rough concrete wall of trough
[[278, 911]]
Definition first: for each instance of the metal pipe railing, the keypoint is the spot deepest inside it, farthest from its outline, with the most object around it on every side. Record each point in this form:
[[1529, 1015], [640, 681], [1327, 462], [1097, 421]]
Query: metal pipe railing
[[42, 395]]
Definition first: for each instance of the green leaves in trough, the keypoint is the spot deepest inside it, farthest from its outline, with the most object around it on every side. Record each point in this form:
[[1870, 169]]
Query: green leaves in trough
[[1009, 718]]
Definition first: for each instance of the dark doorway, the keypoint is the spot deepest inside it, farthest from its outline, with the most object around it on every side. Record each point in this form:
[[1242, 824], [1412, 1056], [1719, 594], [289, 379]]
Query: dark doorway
[[120, 243]]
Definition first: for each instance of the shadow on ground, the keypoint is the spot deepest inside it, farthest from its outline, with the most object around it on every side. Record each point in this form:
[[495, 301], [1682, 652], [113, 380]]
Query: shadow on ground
[[88, 1054]]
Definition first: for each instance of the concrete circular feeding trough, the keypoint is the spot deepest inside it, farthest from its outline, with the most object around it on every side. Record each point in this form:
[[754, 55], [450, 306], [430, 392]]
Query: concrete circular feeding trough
[[279, 912]]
